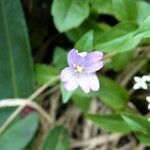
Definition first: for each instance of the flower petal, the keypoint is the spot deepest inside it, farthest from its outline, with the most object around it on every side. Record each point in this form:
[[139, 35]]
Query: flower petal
[[66, 74], [144, 86], [93, 82], [71, 84], [137, 79], [136, 86], [73, 57], [146, 78], [90, 68], [83, 82], [148, 99], [94, 57], [94, 62]]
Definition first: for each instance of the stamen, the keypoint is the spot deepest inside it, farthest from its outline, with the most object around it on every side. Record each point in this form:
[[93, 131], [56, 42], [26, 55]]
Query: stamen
[[78, 68]]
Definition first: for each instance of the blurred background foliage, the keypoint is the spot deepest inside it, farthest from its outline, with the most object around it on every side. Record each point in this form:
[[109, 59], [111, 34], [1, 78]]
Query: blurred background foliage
[[35, 37]]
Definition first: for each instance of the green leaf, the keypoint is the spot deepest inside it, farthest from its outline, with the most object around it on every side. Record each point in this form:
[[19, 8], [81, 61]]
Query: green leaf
[[57, 139], [19, 134], [66, 95], [112, 122], [137, 123], [75, 34], [118, 8], [143, 138], [144, 30], [125, 9], [60, 58], [68, 14], [123, 37], [112, 94], [5, 113], [102, 6], [118, 39], [82, 102], [85, 43], [143, 11], [16, 68], [120, 60], [45, 73]]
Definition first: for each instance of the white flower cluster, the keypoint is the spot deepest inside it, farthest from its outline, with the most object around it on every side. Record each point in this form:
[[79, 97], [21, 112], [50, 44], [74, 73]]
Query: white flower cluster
[[143, 83]]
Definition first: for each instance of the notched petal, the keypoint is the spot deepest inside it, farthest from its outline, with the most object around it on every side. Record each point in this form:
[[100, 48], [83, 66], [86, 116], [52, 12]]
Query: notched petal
[[91, 68], [94, 61], [94, 57]]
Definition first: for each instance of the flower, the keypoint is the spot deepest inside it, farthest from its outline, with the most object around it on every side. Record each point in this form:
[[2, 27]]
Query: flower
[[81, 71], [141, 82], [148, 100]]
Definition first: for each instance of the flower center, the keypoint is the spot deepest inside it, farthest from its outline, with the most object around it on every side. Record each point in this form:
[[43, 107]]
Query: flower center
[[78, 68]]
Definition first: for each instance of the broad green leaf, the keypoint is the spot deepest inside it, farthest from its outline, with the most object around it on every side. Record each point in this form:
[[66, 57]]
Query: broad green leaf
[[137, 123], [57, 139], [112, 94], [137, 11], [125, 9], [112, 123], [102, 6], [45, 73], [75, 34], [118, 39], [120, 60], [85, 43], [127, 41], [16, 68], [144, 30], [143, 11], [120, 8], [60, 58], [143, 138], [19, 134], [4, 114], [66, 95], [82, 102], [68, 14]]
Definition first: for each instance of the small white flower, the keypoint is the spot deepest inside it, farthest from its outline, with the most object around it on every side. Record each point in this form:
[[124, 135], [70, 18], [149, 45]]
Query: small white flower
[[148, 119], [148, 100], [140, 83]]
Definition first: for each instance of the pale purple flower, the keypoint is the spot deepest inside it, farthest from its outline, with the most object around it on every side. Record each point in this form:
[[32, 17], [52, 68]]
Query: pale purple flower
[[81, 71]]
